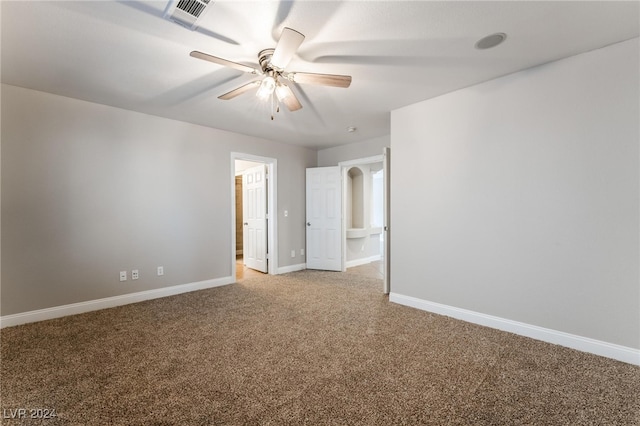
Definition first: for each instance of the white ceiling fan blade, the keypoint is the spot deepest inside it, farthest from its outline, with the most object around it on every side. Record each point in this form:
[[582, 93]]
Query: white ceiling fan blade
[[289, 42], [223, 62], [321, 79], [287, 97], [240, 90]]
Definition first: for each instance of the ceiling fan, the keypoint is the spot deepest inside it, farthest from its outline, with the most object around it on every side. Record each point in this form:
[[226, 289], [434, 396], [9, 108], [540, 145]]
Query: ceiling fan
[[274, 78]]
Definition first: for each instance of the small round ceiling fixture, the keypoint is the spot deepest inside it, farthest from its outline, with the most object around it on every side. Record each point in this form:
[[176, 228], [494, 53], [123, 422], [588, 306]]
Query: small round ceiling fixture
[[351, 129], [490, 41]]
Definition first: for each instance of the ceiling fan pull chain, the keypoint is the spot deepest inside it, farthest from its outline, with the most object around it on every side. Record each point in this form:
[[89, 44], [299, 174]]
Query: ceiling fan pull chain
[[271, 106]]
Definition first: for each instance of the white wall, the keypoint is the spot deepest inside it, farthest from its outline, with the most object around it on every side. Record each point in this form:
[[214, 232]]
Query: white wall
[[353, 151], [519, 198], [89, 190]]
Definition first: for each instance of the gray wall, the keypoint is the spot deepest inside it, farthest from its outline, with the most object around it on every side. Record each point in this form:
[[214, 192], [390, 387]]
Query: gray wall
[[89, 190], [352, 151], [518, 197]]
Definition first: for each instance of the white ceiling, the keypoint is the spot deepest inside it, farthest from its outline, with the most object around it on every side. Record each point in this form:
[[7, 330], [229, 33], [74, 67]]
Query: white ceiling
[[126, 55]]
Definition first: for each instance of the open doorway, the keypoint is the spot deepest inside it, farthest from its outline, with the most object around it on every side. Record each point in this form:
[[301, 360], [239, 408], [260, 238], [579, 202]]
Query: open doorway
[[253, 199], [365, 212], [363, 215]]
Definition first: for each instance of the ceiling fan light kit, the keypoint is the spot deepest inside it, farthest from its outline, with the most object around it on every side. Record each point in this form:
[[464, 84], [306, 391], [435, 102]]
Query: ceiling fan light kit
[[267, 87], [283, 92], [272, 64]]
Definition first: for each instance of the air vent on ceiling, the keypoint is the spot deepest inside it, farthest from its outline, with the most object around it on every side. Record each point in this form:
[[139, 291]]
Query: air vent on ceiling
[[187, 12]]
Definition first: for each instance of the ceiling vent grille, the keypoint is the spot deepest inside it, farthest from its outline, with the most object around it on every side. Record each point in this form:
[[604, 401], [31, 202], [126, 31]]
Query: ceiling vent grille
[[186, 12]]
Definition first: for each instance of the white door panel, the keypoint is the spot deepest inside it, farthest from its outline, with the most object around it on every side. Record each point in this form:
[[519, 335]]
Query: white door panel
[[324, 219], [254, 206]]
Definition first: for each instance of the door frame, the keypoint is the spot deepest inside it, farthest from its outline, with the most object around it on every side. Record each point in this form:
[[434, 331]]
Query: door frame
[[272, 197], [344, 167]]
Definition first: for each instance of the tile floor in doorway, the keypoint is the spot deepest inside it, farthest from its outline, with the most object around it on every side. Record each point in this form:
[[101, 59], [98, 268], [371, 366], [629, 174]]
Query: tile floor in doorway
[[373, 270]]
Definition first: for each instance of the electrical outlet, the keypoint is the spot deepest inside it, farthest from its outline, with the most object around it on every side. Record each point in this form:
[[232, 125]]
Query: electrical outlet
[[160, 270], [293, 253], [134, 274], [301, 252], [123, 275]]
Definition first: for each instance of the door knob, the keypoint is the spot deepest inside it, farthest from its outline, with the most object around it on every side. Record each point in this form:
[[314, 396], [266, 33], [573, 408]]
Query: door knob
[[308, 223], [246, 224]]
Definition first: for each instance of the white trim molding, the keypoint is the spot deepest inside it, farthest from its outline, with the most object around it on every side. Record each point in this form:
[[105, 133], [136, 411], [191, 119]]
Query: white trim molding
[[363, 261], [358, 161], [292, 268], [584, 344], [109, 302]]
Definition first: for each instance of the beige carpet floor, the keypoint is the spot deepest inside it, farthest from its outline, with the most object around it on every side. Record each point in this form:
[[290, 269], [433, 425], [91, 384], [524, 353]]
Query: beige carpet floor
[[309, 347]]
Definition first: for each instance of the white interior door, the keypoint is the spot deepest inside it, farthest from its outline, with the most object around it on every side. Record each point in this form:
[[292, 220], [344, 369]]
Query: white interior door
[[254, 214], [324, 219]]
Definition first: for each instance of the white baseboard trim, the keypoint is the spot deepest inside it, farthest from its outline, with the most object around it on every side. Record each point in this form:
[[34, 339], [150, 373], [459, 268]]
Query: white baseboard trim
[[108, 302], [292, 268], [584, 344], [364, 261]]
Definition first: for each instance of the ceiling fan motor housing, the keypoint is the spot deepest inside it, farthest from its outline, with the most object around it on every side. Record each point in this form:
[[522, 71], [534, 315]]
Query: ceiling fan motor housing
[[264, 59]]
